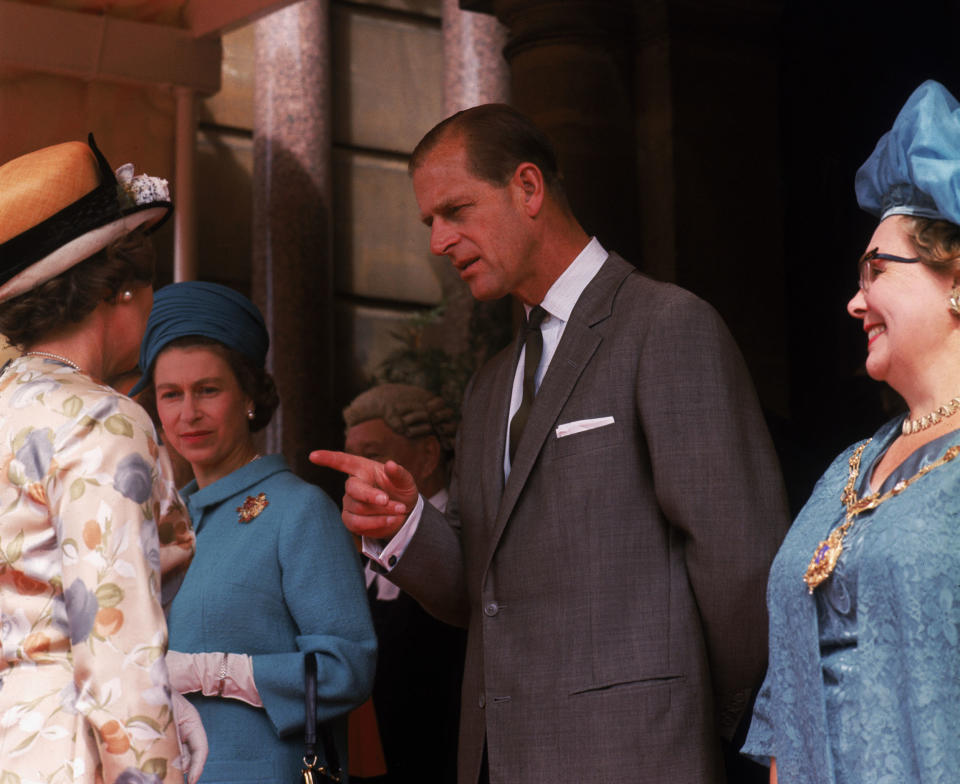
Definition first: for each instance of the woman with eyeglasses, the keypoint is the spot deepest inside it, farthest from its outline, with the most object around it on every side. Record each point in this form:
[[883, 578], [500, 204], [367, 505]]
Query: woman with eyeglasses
[[863, 682]]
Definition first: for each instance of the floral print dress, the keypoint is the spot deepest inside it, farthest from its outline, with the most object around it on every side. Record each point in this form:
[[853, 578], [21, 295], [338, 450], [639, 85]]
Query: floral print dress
[[89, 519]]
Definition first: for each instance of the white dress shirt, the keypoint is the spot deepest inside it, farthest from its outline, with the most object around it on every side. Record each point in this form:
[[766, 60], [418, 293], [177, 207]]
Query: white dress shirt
[[558, 302], [386, 590]]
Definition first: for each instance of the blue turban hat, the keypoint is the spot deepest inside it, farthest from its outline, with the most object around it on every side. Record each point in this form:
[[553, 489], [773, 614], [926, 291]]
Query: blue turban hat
[[207, 309], [915, 168]]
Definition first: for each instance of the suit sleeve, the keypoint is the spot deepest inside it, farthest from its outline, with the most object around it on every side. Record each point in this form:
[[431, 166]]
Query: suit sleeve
[[718, 482], [323, 589], [431, 569]]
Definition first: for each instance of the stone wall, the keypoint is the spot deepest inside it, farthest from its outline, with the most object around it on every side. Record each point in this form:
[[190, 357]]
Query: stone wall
[[385, 65]]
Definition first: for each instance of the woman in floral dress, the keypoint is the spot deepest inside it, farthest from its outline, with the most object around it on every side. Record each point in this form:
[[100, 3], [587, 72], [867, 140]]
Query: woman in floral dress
[[89, 516]]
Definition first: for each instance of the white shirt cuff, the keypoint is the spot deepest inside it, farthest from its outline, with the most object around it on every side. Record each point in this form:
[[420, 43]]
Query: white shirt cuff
[[388, 552]]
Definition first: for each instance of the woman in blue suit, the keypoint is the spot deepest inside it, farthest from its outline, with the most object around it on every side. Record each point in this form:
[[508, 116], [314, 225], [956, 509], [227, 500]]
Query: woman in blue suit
[[275, 574]]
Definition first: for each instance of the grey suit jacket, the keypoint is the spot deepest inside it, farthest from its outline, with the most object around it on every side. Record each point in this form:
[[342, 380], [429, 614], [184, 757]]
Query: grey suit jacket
[[613, 588]]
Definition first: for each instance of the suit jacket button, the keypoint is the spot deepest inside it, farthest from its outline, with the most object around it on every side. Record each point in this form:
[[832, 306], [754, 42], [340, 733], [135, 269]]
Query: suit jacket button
[[482, 701], [491, 609]]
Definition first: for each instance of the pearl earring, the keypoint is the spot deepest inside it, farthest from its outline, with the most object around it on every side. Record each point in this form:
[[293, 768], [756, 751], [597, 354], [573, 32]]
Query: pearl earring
[[249, 413], [953, 302], [127, 295]]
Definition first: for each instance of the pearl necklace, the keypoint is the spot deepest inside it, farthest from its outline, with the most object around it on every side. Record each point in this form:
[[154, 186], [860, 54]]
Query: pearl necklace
[[57, 357], [911, 426]]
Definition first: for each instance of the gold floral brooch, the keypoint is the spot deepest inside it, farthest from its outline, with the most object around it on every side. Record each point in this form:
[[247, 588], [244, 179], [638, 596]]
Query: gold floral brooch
[[252, 507]]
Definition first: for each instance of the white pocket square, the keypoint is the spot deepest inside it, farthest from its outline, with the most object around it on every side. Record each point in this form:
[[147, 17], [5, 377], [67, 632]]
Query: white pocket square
[[582, 425]]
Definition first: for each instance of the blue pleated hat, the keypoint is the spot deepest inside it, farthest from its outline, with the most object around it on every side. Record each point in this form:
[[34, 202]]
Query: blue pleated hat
[[915, 167], [207, 309]]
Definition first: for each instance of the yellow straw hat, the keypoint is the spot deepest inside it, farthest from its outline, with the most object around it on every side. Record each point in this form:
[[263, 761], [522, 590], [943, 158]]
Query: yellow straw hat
[[62, 204]]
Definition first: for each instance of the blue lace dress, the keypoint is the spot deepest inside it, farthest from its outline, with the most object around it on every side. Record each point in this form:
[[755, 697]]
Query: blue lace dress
[[863, 683]]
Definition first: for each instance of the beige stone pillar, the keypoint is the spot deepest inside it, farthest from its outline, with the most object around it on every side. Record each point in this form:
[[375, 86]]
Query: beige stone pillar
[[474, 72], [474, 69], [572, 73], [665, 118], [292, 278]]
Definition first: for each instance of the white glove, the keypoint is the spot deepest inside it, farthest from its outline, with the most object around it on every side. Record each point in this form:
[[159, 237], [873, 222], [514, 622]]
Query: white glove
[[193, 738], [215, 675]]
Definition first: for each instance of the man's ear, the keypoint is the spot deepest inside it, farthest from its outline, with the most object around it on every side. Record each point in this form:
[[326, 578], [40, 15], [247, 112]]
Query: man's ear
[[432, 453], [530, 187]]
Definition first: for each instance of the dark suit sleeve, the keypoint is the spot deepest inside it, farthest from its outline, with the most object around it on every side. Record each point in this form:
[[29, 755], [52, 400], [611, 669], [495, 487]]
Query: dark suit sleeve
[[717, 481], [440, 586]]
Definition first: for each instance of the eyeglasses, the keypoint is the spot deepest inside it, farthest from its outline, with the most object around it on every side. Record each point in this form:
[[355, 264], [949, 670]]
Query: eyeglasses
[[869, 271]]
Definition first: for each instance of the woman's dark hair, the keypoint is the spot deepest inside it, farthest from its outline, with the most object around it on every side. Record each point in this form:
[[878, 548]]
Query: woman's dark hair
[[937, 243], [75, 293], [256, 383], [497, 139]]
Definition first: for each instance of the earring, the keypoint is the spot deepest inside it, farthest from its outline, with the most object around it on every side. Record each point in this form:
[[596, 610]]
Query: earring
[[249, 413], [127, 295], [953, 302]]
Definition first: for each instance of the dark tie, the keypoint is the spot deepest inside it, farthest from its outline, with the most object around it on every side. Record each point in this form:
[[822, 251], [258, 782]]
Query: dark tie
[[533, 342]]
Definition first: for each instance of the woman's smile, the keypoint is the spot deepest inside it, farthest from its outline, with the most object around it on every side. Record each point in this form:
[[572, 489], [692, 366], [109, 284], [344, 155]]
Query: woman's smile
[[874, 332]]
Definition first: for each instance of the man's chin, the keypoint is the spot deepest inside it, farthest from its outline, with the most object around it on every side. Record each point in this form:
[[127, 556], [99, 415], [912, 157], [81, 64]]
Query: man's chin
[[483, 293]]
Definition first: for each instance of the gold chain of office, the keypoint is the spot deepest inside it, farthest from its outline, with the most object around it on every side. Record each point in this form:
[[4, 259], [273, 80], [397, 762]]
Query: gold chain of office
[[828, 551]]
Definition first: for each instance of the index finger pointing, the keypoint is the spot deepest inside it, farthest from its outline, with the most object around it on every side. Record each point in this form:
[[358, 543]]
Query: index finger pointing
[[354, 465]]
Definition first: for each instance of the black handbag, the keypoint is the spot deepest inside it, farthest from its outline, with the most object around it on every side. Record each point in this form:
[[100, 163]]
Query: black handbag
[[313, 772]]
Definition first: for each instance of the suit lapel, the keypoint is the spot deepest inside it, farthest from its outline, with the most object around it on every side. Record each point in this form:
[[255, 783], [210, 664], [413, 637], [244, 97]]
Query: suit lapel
[[578, 344]]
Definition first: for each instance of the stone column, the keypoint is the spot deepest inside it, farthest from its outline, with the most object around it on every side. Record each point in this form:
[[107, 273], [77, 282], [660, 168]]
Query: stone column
[[475, 72], [292, 279], [571, 66], [708, 106], [474, 69], [664, 115]]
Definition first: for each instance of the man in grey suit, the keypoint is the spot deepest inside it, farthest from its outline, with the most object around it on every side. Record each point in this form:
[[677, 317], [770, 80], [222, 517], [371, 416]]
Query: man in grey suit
[[616, 502]]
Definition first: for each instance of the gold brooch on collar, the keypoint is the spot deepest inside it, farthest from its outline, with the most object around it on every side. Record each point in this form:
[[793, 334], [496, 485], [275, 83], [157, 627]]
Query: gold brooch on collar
[[252, 507]]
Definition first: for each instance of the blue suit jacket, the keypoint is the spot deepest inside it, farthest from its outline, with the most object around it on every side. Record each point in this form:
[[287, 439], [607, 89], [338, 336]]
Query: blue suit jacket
[[286, 582]]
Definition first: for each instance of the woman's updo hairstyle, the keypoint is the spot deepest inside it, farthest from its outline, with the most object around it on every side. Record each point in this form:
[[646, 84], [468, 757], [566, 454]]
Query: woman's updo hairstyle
[[75, 293]]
